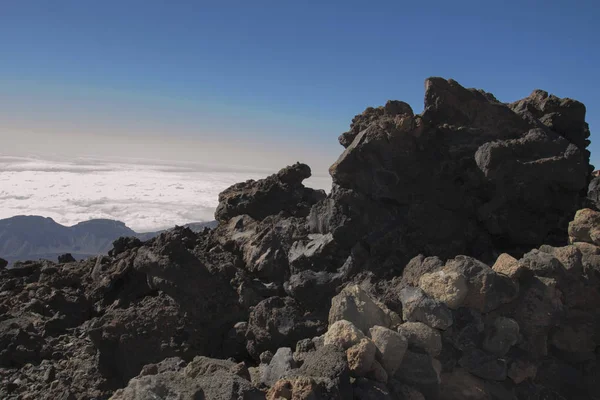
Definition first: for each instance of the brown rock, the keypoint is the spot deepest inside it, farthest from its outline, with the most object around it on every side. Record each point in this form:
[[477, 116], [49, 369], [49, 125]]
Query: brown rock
[[585, 227], [361, 356], [298, 388], [508, 265], [449, 287]]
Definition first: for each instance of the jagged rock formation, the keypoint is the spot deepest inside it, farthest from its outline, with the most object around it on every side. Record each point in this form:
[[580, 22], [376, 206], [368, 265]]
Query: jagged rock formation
[[449, 261], [470, 175]]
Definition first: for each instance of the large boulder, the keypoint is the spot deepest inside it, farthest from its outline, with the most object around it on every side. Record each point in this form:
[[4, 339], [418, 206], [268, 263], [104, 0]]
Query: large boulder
[[280, 192], [418, 307], [355, 305], [201, 379], [585, 227], [279, 322], [450, 181], [391, 347], [422, 337]]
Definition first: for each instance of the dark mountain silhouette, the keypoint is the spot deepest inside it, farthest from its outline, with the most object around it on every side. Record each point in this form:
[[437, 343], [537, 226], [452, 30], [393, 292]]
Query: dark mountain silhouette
[[27, 237]]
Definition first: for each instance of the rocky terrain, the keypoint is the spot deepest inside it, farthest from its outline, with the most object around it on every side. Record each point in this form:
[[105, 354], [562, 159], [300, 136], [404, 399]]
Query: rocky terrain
[[29, 237], [456, 257]]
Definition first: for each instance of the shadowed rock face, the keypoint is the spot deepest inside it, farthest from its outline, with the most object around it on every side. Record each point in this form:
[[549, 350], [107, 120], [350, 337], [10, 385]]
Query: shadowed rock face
[[289, 268], [470, 175], [279, 192]]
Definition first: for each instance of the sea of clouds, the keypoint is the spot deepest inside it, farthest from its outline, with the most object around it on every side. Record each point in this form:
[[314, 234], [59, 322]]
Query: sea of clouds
[[145, 194]]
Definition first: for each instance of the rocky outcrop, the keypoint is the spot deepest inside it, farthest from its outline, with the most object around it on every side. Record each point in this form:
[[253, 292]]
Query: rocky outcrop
[[281, 192], [448, 261], [450, 181]]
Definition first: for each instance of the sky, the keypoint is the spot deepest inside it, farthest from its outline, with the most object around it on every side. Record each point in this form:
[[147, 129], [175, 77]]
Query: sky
[[263, 84]]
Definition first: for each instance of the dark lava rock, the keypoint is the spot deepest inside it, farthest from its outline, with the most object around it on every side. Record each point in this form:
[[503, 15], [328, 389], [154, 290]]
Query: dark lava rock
[[450, 181], [279, 322], [282, 191], [484, 365], [66, 258], [329, 365], [201, 379], [418, 370]]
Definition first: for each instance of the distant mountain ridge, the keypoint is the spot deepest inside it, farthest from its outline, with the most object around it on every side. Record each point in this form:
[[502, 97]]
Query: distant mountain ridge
[[27, 237]]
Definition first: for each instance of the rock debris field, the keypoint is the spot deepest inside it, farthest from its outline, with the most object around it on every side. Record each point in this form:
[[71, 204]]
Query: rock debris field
[[457, 256]]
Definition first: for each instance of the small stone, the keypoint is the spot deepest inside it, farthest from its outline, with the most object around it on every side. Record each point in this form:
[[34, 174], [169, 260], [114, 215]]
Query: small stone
[[361, 356], [298, 388], [422, 337], [509, 266], [449, 287], [265, 357], [391, 346], [417, 307], [501, 336], [281, 363], [50, 374], [343, 334]]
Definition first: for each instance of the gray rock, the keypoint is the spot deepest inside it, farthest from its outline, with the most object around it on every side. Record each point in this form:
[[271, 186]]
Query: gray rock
[[328, 366], [354, 304], [280, 365], [501, 335], [417, 307], [391, 346], [208, 380], [420, 336], [279, 322]]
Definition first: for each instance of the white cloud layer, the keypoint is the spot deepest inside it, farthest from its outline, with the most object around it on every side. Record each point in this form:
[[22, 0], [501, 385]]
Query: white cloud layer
[[145, 195]]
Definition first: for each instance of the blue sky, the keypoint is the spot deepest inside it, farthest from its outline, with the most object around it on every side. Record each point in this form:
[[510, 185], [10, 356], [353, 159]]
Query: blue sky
[[271, 76]]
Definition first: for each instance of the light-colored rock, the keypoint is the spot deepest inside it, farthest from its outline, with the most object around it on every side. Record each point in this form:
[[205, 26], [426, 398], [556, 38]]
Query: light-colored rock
[[281, 364], [391, 346], [509, 266], [585, 227], [421, 336], [343, 334], [449, 287], [354, 304], [361, 356], [501, 336]]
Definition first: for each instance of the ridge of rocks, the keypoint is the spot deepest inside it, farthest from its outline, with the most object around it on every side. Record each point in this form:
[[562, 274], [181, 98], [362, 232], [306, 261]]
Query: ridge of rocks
[[456, 257]]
